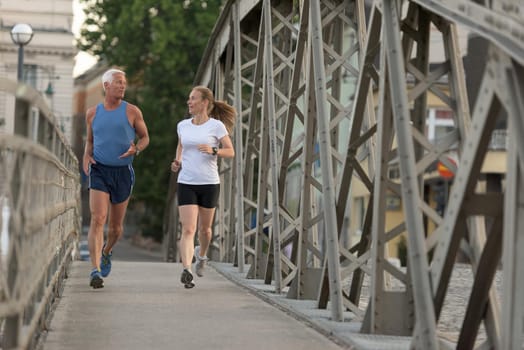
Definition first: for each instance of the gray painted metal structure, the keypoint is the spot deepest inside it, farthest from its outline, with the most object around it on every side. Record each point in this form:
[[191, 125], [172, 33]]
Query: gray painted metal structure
[[332, 95]]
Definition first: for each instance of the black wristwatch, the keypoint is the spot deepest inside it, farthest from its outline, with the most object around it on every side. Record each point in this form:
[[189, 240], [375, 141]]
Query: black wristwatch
[[215, 151]]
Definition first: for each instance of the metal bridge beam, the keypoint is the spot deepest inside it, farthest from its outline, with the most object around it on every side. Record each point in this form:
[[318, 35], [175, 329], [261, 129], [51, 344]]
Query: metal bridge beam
[[332, 129]]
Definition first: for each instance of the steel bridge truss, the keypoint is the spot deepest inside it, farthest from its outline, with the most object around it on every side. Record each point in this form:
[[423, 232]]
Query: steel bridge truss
[[332, 98]]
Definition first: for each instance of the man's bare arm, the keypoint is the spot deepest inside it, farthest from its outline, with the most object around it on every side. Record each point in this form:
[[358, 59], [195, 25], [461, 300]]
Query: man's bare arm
[[88, 150]]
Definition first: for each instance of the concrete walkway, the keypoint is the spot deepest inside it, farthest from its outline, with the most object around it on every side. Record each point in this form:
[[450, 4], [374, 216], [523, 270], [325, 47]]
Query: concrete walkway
[[144, 306]]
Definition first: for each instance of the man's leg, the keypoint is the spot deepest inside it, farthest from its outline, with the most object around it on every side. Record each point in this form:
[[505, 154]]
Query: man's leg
[[116, 228], [98, 205], [117, 213]]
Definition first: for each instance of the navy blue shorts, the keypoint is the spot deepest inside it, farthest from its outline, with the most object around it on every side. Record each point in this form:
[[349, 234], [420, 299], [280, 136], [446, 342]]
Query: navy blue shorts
[[118, 181], [202, 195]]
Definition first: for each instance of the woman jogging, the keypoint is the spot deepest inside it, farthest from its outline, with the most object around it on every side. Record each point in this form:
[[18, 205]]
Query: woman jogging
[[201, 140]]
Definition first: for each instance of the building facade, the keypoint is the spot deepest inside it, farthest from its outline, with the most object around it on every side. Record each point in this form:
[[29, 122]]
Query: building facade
[[49, 57]]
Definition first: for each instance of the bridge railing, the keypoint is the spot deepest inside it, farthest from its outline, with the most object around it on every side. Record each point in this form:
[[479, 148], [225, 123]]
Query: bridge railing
[[331, 95], [41, 217]]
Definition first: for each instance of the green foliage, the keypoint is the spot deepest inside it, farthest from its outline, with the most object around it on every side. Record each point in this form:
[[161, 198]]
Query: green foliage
[[159, 43]]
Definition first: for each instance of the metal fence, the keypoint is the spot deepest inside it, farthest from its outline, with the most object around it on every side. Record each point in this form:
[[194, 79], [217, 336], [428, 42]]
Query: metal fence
[[40, 221]]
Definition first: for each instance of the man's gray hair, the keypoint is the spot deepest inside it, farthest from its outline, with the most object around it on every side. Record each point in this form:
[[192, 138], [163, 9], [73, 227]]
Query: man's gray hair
[[108, 76]]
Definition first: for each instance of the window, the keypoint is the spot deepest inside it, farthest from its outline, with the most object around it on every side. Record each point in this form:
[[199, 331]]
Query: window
[[30, 75], [439, 123]]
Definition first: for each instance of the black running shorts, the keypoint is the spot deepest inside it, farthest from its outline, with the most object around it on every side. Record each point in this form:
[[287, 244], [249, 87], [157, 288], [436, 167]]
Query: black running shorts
[[202, 195]]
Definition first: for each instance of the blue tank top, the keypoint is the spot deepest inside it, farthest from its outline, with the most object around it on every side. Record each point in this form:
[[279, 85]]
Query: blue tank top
[[112, 135]]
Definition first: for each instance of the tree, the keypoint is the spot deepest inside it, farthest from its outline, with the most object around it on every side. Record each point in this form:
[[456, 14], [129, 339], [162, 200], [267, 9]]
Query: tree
[[159, 44]]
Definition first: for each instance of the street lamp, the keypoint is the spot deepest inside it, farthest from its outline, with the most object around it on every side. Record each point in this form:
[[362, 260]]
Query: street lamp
[[21, 34]]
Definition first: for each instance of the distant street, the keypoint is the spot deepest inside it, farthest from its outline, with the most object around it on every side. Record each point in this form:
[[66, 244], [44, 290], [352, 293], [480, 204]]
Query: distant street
[[126, 251]]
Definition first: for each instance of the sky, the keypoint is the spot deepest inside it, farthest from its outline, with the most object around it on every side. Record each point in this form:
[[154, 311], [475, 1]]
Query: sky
[[84, 61]]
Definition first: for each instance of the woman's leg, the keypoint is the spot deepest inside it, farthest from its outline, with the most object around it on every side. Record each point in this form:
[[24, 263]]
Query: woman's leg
[[205, 220], [188, 218]]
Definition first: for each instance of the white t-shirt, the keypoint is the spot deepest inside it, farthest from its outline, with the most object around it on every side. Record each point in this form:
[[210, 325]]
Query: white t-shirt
[[199, 168]]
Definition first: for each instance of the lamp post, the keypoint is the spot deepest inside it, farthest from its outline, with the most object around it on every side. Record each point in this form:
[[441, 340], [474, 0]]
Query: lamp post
[[21, 34]]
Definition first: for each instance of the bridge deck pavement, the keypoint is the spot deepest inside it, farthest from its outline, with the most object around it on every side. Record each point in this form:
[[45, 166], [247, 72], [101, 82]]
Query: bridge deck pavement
[[144, 306]]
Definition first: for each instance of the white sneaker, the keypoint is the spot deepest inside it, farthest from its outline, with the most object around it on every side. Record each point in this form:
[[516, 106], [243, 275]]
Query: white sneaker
[[200, 262]]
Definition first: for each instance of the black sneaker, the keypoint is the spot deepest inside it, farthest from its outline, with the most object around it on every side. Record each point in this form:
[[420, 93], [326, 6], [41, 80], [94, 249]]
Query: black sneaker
[[187, 277], [95, 279]]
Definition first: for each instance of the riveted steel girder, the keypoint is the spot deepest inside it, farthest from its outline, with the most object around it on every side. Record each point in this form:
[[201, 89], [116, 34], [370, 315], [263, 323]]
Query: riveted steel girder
[[335, 165]]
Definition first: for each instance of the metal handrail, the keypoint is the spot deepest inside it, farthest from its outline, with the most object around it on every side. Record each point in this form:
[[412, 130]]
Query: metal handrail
[[40, 221]]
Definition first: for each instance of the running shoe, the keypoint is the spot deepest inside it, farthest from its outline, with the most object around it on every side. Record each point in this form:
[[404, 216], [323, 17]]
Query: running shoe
[[187, 279], [200, 262], [95, 279], [105, 263]]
